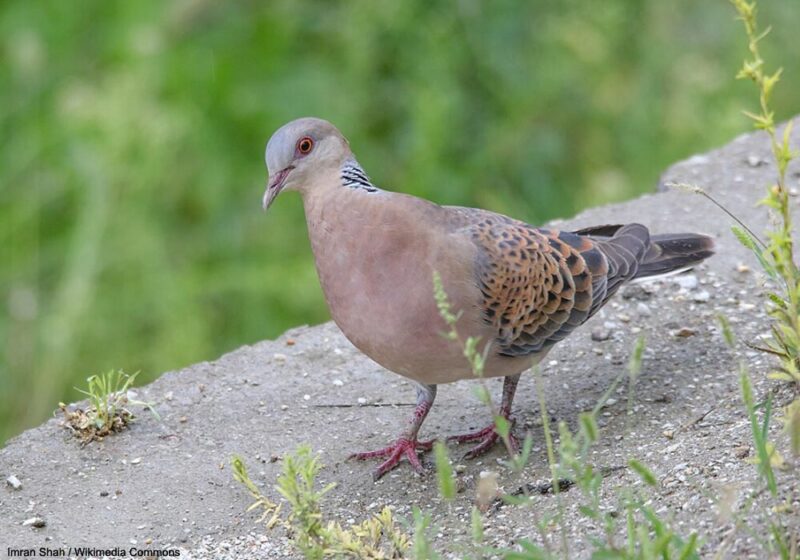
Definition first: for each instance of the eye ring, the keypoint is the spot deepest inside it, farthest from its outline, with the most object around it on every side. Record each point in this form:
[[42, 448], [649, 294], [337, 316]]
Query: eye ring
[[305, 145]]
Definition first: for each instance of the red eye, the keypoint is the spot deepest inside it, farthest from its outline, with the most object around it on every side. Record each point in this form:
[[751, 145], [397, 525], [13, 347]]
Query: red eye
[[305, 145]]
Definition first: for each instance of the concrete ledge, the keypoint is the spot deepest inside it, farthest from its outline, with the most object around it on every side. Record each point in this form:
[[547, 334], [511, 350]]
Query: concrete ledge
[[168, 483]]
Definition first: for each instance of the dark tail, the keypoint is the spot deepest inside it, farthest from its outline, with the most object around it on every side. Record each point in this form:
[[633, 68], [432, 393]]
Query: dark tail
[[654, 254], [674, 251]]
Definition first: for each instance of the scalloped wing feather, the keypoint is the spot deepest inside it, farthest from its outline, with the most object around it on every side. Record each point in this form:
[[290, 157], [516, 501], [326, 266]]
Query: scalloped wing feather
[[538, 285]]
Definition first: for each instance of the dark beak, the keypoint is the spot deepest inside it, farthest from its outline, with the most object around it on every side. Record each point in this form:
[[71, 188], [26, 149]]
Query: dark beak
[[275, 186]]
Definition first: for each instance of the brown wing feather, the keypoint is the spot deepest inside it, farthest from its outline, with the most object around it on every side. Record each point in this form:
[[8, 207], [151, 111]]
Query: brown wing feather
[[538, 285]]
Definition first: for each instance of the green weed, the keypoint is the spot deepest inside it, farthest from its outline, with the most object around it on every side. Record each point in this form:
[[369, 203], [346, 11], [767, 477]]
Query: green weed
[[269, 508], [422, 548], [444, 471], [782, 300], [766, 455], [107, 412], [647, 535], [767, 458], [296, 485], [376, 538], [776, 256]]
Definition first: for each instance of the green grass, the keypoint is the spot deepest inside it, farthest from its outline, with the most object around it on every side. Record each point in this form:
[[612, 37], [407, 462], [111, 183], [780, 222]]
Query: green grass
[[270, 511], [130, 179], [107, 411], [776, 257], [781, 297], [377, 537]]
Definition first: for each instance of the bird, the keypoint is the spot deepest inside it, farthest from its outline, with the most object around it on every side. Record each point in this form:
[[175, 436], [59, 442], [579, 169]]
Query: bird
[[520, 288]]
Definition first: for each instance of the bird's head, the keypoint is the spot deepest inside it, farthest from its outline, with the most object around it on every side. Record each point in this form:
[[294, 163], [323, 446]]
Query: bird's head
[[301, 151]]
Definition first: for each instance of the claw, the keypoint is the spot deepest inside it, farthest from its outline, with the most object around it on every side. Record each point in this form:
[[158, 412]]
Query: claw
[[395, 452], [486, 438]]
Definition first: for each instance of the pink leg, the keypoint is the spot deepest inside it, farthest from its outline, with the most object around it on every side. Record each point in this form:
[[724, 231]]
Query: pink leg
[[488, 436], [407, 444]]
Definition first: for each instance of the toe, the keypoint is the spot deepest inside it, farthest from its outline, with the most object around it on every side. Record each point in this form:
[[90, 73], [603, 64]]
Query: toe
[[472, 436], [413, 458], [388, 464], [483, 447], [372, 454]]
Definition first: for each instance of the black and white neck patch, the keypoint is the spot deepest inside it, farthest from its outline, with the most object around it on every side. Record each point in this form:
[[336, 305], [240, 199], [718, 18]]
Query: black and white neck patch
[[355, 178]]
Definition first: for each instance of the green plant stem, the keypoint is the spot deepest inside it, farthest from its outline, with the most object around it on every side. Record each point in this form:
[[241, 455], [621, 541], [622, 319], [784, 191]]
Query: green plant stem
[[551, 457]]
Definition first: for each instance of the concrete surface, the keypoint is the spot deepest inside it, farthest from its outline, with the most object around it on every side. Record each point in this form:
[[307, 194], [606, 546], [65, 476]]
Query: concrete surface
[[168, 483]]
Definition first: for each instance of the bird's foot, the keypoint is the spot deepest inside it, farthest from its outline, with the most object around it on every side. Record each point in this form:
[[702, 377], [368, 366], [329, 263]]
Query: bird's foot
[[486, 438], [395, 452]]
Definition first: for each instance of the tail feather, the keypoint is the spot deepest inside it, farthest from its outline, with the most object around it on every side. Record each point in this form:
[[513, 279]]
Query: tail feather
[[631, 253], [671, 252], [664, 253]]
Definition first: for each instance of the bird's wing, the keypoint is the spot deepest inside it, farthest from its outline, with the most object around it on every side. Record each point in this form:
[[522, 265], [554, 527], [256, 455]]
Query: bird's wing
[[538, 285]]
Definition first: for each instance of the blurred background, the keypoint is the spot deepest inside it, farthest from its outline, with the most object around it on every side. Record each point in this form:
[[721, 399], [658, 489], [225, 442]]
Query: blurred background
[[131, 170]]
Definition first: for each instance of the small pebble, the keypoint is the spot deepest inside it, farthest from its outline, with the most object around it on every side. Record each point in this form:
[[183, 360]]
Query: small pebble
[[742, 451], [643, 310], [37, 522], [701, 297], [14, 482], [361, 400], [338, 382], [684, 332], [290, 342], [636, 291], [686, 282], [671, 449], [599, 334], [755, 161]]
